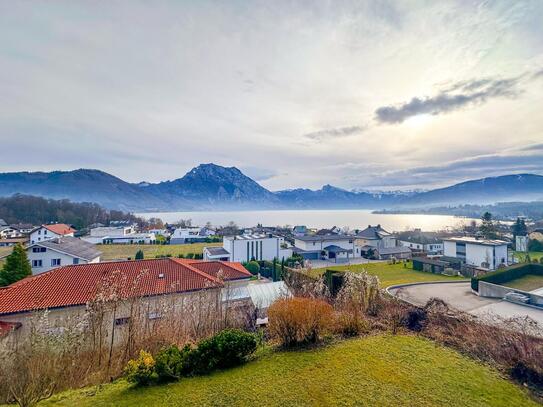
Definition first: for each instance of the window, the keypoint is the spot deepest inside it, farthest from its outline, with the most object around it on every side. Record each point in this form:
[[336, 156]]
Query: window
[[39, 232], [76, 260], [55, 262], [248, 257], [155, 315], [39, 250], [37, 263], [122, 321]]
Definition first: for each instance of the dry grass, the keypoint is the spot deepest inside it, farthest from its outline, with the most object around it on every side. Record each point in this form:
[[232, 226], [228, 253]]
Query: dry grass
[[118, 251]]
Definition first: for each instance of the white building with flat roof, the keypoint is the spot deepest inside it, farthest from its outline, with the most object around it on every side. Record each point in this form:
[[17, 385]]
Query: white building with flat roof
[[243, 248], [477, 252]]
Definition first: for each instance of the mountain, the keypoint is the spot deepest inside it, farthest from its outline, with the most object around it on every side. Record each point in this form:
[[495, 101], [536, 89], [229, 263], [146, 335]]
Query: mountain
[[332, 197], [210, 186], [505, 188], [81, 185], [213, 187]]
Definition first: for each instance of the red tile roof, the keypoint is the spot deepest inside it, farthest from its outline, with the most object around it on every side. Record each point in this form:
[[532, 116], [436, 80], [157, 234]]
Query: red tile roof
[[6, 327], [80, 284], [60, 229]]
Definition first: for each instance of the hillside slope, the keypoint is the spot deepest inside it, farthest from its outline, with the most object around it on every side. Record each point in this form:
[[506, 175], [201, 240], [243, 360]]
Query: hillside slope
[[373, 371]]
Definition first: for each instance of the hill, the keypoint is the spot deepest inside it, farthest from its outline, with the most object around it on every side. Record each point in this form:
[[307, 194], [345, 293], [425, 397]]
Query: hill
[[213, 187], [375, 371]]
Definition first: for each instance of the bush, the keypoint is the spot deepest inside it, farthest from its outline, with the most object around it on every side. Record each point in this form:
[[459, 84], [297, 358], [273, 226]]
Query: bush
[[228, 348], [415, 319], [348, 324], [171, 363], [141, 371], [295, 321], [252, 267], [507, 274]]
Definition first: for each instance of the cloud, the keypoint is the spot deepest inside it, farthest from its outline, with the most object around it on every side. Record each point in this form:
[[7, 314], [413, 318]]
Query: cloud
[[335, 132], [259, 174], [472, 92]]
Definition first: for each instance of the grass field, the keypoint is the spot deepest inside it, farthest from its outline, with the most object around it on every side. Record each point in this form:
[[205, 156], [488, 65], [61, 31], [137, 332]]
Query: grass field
[[526, 283], [391, 274], [374, 371], [521, 256], [123, 251]]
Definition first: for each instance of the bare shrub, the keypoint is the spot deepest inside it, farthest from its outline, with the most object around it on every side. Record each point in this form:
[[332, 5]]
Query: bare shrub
[[301, 284], [295, 321]]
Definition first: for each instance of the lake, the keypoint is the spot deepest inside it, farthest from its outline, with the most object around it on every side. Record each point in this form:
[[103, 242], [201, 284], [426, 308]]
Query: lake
[[354, 219]]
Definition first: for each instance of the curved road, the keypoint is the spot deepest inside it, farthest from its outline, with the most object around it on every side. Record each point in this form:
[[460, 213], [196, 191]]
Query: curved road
[[459, 296]]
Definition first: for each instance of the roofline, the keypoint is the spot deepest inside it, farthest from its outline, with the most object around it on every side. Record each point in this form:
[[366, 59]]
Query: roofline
[[63, 252]]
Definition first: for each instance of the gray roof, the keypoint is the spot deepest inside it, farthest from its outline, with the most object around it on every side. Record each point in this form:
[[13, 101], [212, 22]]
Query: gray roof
[[419, 237], [336, 249], [324, 238], [373, 232], [476, 240], [71, 246], [394, 250], [217, 251]]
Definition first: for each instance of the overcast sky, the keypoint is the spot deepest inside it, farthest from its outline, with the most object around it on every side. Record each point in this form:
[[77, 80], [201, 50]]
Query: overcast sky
[[365, 94]]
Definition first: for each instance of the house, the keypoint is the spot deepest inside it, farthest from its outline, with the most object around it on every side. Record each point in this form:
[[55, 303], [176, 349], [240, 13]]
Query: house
[[166, 290], [60, 251], [46, 232], [12, 241], [375, 236], [337, 247], [243, 248], [324, 232], [23, 228], [477, 252], [299, 230], [419, 241], [188, 235], [8, 232], [118, 234]]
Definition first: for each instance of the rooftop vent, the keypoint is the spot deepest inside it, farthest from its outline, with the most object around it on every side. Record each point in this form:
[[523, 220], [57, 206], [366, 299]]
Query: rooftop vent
[[161, 275]]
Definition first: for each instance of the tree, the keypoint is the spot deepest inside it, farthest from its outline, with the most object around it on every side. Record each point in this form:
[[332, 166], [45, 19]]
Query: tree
[[488, 227], [275, 277], [139, 255], [519, 228], [252, 267], [16, 267]]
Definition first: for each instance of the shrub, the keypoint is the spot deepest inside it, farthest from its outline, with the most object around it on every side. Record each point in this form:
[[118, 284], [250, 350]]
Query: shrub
[[295, 321], [252, 267], [228, 348], [349, 324], [415, 319], [171, 363], [141, 371]]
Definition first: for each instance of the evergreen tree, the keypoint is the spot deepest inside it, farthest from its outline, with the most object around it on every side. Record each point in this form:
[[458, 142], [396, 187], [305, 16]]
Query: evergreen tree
[[488, 227], [519, 228], [282, 268], [16, 267], [139, 255], [274, 269]]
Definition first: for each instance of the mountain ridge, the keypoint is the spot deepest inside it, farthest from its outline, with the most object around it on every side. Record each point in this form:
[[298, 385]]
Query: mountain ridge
[[214, 187]]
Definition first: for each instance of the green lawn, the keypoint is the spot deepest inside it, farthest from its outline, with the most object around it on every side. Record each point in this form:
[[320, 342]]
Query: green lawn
[[521, 256], [528, 282], [391, 274], [123, 251], [374, 371]]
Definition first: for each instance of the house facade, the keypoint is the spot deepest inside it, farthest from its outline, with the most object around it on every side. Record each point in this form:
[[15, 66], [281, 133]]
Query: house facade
[[419, 241], [60, 251], [188, 235], [332, 246], [118, 234], [476, 252], [47, 232], [243, 248], [376, 237], [146, 291]]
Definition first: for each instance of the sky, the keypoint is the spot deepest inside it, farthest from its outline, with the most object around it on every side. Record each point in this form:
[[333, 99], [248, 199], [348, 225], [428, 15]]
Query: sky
[[365, 95]]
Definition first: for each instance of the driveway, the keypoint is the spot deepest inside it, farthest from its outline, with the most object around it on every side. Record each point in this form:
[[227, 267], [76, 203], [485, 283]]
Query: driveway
[[458, 295]]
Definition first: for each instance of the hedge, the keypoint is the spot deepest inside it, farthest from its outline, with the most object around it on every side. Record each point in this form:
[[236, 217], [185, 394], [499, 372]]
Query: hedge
[[507, 274]]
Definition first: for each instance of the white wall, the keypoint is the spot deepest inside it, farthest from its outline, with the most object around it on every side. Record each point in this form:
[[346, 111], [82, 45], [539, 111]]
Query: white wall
[[41, 234], [271, 247], [113, 231], [48, 255], [320, 245], [449, 248]]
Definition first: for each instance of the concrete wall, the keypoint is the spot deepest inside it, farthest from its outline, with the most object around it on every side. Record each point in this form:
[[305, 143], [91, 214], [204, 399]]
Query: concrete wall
[[265, 248], [48, 255], [490, 290]]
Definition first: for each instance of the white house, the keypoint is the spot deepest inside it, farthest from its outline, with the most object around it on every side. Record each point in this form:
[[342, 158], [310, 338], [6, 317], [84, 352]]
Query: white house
[[337, 247], [477, 252], [46, 232], [419, 241], [243, 248], [122, 234], [61, 251], [188, 235], [8, 232], [376, 237]]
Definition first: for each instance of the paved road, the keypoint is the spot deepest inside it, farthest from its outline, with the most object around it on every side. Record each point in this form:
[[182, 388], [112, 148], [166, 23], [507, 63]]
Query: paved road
[[459, 296]]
